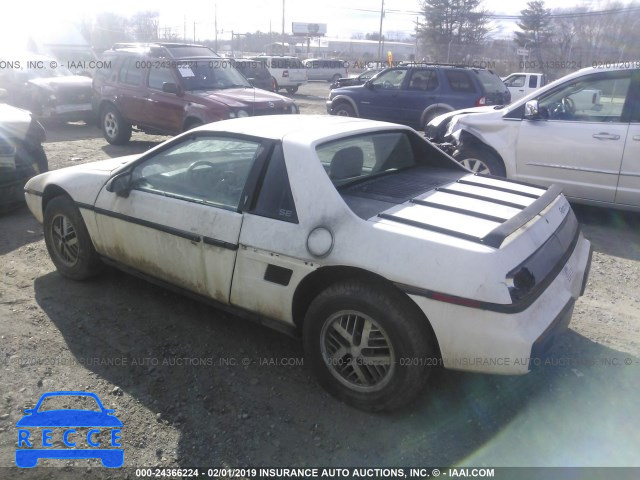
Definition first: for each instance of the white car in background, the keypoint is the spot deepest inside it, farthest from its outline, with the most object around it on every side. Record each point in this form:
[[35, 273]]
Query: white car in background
[[287, 72], [383, 253], [581, 132]]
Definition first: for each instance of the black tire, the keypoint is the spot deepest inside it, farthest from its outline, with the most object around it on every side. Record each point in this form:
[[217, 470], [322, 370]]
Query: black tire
[[73, 253], [274, 84], [480, 160], [41, 159], [292, 90], [115, 129], [398, 331], [344, 110]]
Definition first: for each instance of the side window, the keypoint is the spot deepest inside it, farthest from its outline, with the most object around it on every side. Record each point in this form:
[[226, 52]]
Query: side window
[[516, 81], [424, 80], [595, 98], [533, 81], [129, 74], [390, 79], [459, 81], [211, 170], [159, 76], [275, 199]]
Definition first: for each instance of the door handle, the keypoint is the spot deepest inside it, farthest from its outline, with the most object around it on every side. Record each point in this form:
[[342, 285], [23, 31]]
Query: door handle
[[606, 136]]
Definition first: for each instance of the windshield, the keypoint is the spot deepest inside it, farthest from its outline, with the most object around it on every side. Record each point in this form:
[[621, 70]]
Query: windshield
[[363, 156], [210, 75]]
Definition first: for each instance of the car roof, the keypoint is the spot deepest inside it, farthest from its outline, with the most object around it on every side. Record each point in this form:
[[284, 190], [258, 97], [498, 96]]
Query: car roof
[[303, 128]]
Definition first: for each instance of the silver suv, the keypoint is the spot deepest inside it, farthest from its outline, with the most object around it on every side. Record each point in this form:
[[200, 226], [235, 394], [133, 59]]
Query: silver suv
[[328, 69]]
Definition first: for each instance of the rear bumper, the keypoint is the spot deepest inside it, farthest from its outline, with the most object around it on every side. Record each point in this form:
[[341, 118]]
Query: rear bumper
[[477, 340]]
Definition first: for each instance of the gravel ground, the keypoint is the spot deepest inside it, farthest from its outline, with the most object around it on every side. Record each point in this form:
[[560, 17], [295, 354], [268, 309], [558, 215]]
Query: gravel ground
[[198, 387]]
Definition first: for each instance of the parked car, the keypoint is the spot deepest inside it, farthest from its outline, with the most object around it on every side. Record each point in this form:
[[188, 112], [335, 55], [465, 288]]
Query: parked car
[[385, 254], [21, 154], [327, 69], [287, 72], [255, 72], [413, 94], [521, 84], [356, 80], [581, 131], [45, 88], [166, 88]]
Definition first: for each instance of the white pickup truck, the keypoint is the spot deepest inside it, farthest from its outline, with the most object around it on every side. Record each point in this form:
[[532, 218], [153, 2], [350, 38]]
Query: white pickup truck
[[521, 84]]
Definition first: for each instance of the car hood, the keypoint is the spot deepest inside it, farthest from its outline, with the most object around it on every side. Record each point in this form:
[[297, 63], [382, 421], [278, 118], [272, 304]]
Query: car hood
[[474, 208], [104, 165], [63, 83], [69, 418], [244, 97]]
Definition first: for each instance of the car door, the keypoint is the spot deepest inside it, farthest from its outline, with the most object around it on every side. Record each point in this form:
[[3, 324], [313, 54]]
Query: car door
[[628, 192], [581, 141], [164, 110], [378, 99], [516, 85], [420, 91], [131, 100], [180, 221]]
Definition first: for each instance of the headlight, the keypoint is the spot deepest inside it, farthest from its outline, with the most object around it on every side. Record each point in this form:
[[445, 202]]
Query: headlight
[[242, 114]]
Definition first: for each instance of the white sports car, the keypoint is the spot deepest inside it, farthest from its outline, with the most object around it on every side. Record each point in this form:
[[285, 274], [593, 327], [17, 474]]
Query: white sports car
[[386, 255]]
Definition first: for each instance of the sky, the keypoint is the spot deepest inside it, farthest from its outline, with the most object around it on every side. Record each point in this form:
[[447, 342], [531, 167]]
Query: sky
[[240, 16]]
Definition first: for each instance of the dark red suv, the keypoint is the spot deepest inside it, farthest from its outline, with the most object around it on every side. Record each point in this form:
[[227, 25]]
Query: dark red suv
[[167, 88]]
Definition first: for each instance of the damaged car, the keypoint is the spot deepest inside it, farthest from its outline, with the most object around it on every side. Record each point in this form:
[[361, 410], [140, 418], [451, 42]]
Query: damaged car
[[21, 153], [386, 256], [581, 132]]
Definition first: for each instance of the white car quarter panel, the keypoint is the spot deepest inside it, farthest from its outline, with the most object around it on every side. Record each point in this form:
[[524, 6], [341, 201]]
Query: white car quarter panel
[[485, 341]]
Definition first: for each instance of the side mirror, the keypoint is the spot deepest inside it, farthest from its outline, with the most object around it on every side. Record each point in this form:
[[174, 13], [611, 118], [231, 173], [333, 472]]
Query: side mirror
[[532, 111], [120, 184], [369, 84], [170, 87]]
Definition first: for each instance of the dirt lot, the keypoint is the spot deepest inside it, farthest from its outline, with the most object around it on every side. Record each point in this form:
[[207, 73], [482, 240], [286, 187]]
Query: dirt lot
[[198, 387]]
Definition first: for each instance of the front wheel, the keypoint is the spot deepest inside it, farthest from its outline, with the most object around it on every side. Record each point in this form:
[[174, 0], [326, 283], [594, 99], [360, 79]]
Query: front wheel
[[68, 241], [367, 345], [481, 161], [115, 129], [292, 90]]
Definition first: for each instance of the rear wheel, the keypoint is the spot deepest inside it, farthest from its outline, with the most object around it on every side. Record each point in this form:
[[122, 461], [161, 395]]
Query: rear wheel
[[274, 84], [292, 90], [68, 241], [480, 160], [114, 128], [360, 339], [344, 110]]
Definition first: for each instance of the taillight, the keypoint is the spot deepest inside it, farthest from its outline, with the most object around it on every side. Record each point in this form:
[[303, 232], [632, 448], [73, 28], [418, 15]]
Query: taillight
[[285, 73], [481, 102]]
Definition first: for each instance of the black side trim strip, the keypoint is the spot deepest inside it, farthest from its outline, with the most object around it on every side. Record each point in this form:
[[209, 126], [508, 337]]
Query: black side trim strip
[[463, 211], [498, 234], [481, 197], [426, 226], [219, 243], [33, 192], [499, 189], [86, 206], [163, 228]]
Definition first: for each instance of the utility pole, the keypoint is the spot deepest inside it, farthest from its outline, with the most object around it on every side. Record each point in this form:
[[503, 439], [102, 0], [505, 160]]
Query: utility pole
[[380, 33], [283, 26], [215, 24]]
